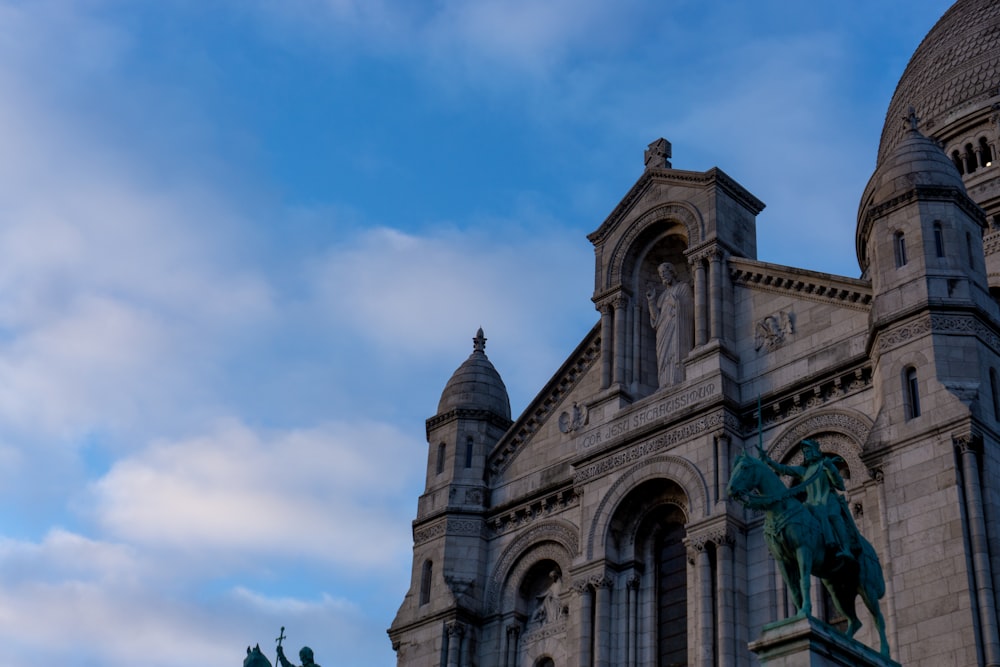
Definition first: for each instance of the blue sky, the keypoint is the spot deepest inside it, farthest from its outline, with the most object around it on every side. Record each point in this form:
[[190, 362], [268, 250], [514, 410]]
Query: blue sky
[[244, 244]]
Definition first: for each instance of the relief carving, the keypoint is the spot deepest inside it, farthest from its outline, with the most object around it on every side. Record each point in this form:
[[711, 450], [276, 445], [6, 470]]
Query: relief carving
[[772, 331]]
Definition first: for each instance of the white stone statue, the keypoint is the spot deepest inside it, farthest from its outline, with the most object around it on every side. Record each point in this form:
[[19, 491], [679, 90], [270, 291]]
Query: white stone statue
[[671, 315], [548, 608]]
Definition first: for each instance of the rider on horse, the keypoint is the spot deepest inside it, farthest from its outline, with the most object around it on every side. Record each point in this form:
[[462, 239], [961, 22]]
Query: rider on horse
[[821, 482]]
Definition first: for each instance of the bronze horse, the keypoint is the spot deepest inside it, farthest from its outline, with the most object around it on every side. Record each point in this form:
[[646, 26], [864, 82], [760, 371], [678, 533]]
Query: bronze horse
[[795, 539]]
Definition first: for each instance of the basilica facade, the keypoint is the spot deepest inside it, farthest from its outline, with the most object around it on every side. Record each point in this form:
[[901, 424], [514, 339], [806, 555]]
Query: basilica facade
[[594, 529]]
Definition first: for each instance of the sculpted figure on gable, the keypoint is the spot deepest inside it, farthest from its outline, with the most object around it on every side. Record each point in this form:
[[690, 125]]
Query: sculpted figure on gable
[[671, 314]]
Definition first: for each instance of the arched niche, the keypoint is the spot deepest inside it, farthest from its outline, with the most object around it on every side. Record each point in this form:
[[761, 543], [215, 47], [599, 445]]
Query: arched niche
[[636, 516], [661, 236], [839, 432], [554, 541], [677, 472]]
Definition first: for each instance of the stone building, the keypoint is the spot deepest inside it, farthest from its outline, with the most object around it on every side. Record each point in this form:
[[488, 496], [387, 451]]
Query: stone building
[[594, 529]]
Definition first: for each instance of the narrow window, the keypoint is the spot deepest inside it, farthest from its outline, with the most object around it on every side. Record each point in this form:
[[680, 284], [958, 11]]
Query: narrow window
[[938, 239], [468, 452], [970, 159], [440, 458], [425, 582], [985, 154], [995, 394], [911, 393], [968, 249], [957, 159], [899, 246]]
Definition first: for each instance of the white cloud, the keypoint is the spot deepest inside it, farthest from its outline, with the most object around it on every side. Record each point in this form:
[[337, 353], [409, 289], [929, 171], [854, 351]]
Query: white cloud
[[339, 494]]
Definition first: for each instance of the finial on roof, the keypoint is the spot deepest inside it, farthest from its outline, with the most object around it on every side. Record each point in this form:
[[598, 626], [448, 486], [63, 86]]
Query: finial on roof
[[912, 119], [479, 342], [658, 154]]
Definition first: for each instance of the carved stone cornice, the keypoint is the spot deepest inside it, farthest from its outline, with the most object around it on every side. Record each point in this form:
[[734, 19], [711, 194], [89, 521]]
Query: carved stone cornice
[[520, 515], [808, 397], [447, 526], [812, 285], [467, 413]]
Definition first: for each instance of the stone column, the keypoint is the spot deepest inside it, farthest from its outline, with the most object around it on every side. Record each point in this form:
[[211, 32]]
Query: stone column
[[722, 465], [632, 618], [700, 302], [602, 622], [878, 474], [980, 551], [510, 645], [607, 344], [635, 359], [455, 633], [706, 627], [726, 608], [620, 303], [715, 264], [586, 594]]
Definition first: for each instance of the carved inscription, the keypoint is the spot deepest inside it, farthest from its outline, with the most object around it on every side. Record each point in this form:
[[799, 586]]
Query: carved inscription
[[651, 413]]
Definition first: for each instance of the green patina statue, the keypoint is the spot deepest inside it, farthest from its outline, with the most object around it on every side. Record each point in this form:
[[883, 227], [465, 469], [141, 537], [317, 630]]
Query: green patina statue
[[809, 531], [305, 655]]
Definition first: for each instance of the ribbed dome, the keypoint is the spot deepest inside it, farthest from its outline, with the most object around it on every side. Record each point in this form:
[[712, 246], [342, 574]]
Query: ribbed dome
[[955, 69], [476, 385]]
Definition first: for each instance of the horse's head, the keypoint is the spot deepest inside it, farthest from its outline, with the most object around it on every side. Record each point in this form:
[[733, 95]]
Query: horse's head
[[743, 478], [255, 658]]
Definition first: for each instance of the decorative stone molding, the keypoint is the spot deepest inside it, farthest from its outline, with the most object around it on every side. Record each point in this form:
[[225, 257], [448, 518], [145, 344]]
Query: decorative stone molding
[[588, 352], [655, 444], [449, 526], [904, 333], [455, 629], [938, 324], [466, 413], [554, 540], [525, 513], [545, 631]]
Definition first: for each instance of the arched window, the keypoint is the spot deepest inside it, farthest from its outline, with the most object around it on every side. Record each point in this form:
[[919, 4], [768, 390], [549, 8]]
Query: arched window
[[938, 239], [468, 452], [911, 393], [425, 581], [970, 159], [985, 154], [899, 248], [440, 458], [545, 661]]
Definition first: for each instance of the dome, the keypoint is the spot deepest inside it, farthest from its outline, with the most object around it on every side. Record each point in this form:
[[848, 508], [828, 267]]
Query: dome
[[917, 163], [955, 69], [916, 160], [476, 385]]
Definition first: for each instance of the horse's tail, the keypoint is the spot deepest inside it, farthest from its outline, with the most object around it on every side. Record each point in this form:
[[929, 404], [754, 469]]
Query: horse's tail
[[871, 575]]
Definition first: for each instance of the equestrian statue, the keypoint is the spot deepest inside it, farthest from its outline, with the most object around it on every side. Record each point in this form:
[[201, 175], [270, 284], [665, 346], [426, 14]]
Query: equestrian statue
[[810, 531]]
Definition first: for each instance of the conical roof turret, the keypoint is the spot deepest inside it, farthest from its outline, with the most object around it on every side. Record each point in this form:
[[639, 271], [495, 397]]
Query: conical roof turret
[[476, 384]]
